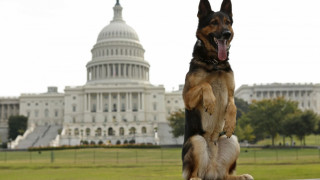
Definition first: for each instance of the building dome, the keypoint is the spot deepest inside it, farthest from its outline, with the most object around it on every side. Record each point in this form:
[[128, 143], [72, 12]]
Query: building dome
[[117, 30], [118, 56]]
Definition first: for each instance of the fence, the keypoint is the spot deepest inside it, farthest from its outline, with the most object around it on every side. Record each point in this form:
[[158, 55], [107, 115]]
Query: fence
[[163, 156]]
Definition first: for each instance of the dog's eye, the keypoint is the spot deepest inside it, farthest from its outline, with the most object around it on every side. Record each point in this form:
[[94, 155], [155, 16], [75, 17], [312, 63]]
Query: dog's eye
[[228, 22], [215, 22]]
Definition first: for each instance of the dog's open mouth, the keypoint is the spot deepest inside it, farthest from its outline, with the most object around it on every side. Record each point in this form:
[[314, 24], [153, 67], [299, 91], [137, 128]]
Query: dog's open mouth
[[222, 48]]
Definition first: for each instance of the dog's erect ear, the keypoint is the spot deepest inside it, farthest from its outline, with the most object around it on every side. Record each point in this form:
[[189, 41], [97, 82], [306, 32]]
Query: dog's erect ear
[[204, 9], [226, 7]]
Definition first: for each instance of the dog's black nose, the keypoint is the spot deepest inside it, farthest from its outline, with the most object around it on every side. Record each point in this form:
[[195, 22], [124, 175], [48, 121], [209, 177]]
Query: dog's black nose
[[226, 34]]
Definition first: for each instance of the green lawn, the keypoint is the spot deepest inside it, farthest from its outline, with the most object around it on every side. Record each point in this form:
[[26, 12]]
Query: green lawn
[[149, 164], [311, 140]]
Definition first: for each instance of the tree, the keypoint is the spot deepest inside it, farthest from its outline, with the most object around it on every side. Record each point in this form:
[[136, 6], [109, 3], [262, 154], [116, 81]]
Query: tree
[[307, 125], [177, 122], [17, 126], [266, 116], [242, 107]]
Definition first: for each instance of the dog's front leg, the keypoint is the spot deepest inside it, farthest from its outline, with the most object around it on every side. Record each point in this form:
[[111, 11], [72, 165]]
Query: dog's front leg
[[202, 92], [230, 117]]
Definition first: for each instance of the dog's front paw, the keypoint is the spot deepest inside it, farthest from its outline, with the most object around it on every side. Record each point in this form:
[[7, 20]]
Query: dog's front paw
[[209, 102], [230, 120], [229, 128], [247, 177]]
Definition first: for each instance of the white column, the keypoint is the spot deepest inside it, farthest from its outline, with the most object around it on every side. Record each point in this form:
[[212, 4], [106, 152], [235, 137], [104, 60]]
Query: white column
[[118, 102], [109, 104], [130, 101], [139, 103], [85, 102], [127, 101], [142, 101], [114, 70], [101, 102], [89, 102], [119, 70]]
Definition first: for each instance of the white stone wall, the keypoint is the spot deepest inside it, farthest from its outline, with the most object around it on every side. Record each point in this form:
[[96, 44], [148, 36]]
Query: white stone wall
[[137, 106], [43, 109]]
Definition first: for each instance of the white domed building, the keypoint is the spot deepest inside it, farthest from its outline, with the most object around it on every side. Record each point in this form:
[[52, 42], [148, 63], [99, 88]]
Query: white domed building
[[117, 104]]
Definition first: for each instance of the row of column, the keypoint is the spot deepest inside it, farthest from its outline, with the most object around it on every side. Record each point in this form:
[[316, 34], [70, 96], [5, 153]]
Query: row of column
[[117, 52], [7, 110], [133, 101], [270, 94], [118, 71]]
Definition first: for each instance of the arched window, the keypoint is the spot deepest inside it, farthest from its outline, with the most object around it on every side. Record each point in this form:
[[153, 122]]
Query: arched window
[[88, 131], [99, 132], [132, 130], [143, 130], [110, 132], [121, 131], [76, 132]]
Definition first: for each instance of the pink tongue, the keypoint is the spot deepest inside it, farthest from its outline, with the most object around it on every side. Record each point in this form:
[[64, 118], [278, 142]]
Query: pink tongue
[[222, 50]]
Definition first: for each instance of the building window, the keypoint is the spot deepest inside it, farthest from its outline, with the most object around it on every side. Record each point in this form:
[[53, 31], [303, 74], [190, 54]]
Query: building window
[[154, 106], [56, 113], [74, 98], [135, 107], [28, 113], [76, 132], [110, 132], [28, 104], [74, 120], [144, 130], [114, 108], [121, 131], [94, 108], [36, 113], [155, 117], [132, 130], [105, 108], [114, 119], [88, 131], [105, 119], [123, 107], [74, 108], [99, 132]]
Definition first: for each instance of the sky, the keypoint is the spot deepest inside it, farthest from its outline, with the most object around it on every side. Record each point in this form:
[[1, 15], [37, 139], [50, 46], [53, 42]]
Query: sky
[[48, 42]]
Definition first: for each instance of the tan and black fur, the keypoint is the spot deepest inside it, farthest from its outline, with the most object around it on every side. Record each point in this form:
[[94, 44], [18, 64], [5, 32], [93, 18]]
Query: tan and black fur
[[209, 100]]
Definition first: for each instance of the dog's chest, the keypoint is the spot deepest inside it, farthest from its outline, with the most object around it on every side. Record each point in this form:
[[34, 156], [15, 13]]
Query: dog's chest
[[219, 84]]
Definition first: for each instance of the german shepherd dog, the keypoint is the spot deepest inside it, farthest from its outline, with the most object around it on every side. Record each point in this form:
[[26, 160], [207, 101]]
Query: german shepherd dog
[[210, 150]]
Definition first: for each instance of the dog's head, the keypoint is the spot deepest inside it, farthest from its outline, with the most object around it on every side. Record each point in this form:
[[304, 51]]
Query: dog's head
[[215, 29]]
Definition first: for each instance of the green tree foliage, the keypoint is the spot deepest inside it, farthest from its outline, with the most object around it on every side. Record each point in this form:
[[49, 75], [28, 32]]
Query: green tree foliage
[[308, 120], [17, 126], [242, 107], [177, 122], [245, 134], [266, 116]]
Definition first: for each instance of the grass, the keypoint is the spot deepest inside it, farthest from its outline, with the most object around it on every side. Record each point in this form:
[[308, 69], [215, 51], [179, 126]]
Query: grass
[[149, 164], [311, 140]]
